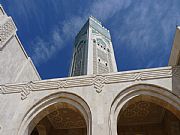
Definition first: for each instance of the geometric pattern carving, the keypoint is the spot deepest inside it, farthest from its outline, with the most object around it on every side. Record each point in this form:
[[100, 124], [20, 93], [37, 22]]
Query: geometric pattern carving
[[97, 80], [141, 113], [141, 75], [25, 92], [102, 54], [105, 62], [66, 119], [110, 62], [94, 59], [6, 31], [140, 110], [102, 62], [102, 68]]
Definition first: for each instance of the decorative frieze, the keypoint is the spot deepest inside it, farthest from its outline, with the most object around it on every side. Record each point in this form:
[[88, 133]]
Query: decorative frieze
[[141, 75], [7, 30], [25, 92], [98, 81]]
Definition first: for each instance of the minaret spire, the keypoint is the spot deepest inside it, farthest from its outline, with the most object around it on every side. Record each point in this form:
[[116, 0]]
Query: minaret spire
[[93, 50]]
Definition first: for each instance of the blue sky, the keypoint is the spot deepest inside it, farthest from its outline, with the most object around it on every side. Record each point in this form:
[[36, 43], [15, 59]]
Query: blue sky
[[142, 31]]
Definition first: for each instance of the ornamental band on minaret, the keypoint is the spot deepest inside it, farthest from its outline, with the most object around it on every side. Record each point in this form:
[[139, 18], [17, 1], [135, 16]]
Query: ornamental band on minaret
[[93, 50]]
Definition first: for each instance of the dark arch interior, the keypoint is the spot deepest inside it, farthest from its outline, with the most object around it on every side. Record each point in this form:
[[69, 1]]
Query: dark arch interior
[[35, 132], [146, 118], [63, 120]]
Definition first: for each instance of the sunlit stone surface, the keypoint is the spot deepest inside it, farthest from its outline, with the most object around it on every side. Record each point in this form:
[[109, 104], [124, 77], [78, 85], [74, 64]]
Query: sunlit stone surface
[[104, 102]]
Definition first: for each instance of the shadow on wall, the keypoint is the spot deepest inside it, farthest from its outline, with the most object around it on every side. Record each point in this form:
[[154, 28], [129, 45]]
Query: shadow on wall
[[176, 80]]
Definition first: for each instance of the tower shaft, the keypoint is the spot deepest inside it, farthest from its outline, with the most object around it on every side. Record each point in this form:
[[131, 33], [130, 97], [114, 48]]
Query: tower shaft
[[93, 51]]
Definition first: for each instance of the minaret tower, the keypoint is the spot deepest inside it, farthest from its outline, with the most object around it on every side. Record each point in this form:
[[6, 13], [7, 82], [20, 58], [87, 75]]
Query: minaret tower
[[93, 50]]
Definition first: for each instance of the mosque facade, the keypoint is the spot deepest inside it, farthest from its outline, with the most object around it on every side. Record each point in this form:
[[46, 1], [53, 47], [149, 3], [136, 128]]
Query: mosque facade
[[95, 99]]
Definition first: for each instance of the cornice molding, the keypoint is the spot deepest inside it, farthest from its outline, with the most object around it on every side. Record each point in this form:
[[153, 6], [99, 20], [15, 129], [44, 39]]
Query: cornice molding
[[97, 81]]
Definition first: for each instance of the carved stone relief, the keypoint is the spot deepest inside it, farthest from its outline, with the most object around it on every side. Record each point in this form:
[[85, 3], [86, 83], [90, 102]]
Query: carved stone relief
[[97, 80], [141, 113], [66, 117], [6, 31]]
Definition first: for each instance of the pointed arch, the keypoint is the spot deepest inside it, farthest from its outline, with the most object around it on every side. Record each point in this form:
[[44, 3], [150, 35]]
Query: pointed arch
[[35, 113], [143, 92]]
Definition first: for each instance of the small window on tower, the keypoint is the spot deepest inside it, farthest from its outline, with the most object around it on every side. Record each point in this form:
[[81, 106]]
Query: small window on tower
[[99, 60], [94, 41], [106, 64], [108, 50]]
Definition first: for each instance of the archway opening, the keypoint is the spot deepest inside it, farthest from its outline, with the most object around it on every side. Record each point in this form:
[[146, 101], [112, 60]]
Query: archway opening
[[141, 117], [59, 119]]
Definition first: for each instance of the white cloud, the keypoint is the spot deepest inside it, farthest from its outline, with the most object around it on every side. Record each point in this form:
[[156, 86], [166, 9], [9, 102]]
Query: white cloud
[[43, 50], [72, 26], [139, 32], [107, 8]]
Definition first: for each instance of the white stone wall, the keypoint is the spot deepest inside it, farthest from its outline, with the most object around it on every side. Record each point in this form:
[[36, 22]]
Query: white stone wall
[[175, 52], [15, 65], [103, 53], [98, 92], [21, 102]]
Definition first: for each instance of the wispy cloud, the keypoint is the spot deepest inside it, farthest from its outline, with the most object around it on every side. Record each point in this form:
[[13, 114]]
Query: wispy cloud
[[71, 27], [107, 8], [147, 29], [143, 26], [43, 50]]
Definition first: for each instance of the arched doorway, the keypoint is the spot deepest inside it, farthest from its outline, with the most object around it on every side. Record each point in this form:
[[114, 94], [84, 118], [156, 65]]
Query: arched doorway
[[61, 119], [137, 102], [146, 118], [60, 113]]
